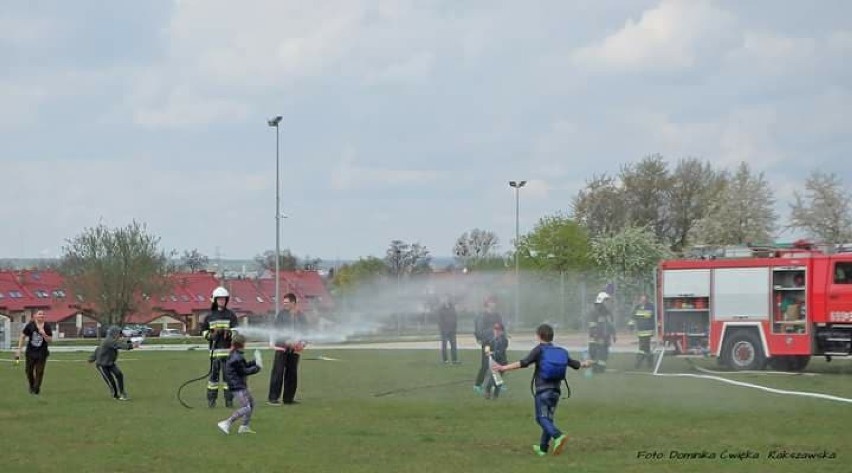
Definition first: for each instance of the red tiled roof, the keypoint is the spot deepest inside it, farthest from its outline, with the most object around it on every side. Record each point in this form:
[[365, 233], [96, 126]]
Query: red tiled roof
[[246, 296], [59, 314]]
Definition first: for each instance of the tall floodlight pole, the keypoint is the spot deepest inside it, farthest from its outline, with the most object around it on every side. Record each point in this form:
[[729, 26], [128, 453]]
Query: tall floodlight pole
[[517, 186], [274, 122]]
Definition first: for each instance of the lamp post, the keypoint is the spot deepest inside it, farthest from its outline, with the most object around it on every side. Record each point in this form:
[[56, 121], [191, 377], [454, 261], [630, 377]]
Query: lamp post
[[517, 186], [274, 122]]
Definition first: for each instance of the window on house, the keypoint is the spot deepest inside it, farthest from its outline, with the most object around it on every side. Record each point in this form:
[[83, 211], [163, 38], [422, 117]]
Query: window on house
[[184, 298], [41, 294], [239, 301], [173, 298], [259, 299], [58, 293], [199, 297], [15, 294], [1, 295]]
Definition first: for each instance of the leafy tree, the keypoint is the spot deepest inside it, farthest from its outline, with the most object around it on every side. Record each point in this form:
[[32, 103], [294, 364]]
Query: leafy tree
[[823, 210], [743, 212], [114, 269], [350, 276], [600, 206], [286, 262], [694, 185], [645, 188], [556, 243]]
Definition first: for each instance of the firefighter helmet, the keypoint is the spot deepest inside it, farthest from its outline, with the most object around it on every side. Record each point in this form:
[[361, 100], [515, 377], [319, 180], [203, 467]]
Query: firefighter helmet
[[602, 296], [220, 292]]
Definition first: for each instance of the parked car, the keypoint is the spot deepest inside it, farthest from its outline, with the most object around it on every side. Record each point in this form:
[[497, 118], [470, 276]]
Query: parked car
[[170, 332], [89, 332]]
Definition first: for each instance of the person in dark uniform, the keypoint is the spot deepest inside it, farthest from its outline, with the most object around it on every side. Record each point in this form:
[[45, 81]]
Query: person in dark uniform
[[643, 316], [216, 328], [483, 327], [289, 325], [601, 332], [448, 321]]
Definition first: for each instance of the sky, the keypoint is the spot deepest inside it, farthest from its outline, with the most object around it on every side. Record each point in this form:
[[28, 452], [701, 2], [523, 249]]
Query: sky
[[402, 119]]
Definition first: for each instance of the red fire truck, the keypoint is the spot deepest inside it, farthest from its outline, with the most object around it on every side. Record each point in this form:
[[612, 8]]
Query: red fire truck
[[776, 306]]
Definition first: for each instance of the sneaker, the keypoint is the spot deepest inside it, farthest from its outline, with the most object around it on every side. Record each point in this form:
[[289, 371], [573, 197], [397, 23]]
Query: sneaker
[[225, 426], [274, 403], [559, 444], [290, 402], [538, 451], [244, 429], [477, 389], [124, 398]]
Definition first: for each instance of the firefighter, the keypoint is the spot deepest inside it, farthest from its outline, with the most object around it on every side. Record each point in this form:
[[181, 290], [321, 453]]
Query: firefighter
[[601, 332], [643, 315], [216, 328]]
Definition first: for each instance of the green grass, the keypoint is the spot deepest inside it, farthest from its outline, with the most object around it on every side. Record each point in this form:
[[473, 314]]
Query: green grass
[[343, 426]]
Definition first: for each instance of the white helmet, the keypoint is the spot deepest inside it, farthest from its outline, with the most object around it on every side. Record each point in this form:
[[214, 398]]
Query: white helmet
[[602, 296], [220, 292]]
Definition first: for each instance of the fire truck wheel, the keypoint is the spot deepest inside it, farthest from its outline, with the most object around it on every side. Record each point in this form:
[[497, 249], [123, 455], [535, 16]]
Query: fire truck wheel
[[743, 352]]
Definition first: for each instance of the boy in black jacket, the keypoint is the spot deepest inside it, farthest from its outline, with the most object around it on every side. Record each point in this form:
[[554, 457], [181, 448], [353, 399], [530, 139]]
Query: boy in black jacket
[[105, 357], [237, 369], [496, 346], [547, 392]]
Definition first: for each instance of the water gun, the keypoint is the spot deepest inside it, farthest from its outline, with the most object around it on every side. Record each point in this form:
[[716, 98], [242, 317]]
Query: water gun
[[588, 373], [498, 379]]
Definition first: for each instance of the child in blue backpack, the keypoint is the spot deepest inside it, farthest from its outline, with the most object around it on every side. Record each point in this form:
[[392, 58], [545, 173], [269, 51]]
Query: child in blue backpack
[[550, 363]]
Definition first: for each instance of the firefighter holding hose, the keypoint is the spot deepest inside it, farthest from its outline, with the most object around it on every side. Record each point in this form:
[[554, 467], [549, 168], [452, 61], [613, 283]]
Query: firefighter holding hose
[[216, 328]]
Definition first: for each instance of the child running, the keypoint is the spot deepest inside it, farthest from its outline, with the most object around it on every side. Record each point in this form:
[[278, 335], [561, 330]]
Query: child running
[[546, 391], [237, 369]]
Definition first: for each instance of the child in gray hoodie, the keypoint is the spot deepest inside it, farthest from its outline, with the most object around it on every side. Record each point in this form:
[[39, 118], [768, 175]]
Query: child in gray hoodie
[[104, 359]]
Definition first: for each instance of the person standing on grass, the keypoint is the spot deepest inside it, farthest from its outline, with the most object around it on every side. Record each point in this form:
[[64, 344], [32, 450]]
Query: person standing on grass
[[643, 314], [38, 335], [483, 325], [237, 369], [546, 391], [105, 357], [285, 367], [448, 321], [216, 329], [497, 346]]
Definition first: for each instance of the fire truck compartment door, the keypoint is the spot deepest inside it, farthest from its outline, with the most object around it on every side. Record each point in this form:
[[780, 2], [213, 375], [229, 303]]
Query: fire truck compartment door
[[741, 294], [686, 282]]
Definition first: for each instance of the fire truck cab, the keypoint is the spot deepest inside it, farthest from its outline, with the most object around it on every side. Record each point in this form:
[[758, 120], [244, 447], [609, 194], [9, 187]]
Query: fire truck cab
[[752, 307]]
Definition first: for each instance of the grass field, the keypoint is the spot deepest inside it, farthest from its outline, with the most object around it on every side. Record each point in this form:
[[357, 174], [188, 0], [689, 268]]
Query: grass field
[[342, 425]]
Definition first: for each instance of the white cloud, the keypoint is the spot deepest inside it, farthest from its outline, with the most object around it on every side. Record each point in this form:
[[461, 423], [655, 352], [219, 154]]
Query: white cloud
[[349, 175], [414, 69], [768, 53], [669, 36]]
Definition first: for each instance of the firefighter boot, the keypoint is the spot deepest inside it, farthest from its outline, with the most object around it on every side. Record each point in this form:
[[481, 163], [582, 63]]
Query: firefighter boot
[[229, 399], [212, 394]]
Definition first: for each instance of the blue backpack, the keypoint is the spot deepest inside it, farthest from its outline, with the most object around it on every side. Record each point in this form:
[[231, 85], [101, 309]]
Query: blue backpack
[[553, 365]]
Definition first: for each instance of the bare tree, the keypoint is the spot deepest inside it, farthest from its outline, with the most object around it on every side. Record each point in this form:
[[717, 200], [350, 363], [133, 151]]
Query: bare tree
[[823, 211], [115, 269], [742, 213], [194, 261], [474, 246], [403, 258]]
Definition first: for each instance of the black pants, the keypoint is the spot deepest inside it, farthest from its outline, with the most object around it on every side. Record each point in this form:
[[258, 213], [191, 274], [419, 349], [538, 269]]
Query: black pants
[[644, 352], [114, 379], [285, 373], [213, 384], [35, 372], [449, 338], [484, 368], [599, 353]]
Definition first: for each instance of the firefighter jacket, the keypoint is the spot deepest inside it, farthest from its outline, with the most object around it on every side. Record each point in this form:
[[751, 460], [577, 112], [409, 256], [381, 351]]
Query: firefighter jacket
[[601, 328], [643, 315], [216, 328]]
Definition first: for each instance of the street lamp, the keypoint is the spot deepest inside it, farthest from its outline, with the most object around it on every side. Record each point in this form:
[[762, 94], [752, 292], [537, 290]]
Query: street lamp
[[274, 122], [517, 186]]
